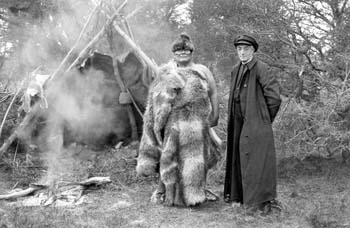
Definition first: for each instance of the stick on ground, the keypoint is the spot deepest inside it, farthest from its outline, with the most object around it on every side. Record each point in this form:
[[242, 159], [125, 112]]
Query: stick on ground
[[21, 193]]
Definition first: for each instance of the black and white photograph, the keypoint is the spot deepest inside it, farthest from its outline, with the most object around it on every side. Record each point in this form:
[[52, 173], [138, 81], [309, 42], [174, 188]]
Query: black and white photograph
[[174, 114]]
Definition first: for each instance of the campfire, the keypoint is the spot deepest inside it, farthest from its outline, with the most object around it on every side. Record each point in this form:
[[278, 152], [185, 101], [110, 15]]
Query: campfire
[[57, 194]]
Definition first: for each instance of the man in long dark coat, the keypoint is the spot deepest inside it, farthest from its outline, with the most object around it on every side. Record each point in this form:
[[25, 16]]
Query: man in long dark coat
[[253, 104]]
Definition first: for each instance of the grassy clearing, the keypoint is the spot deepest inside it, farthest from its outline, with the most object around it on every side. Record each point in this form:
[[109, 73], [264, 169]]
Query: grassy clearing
[[313, 191]]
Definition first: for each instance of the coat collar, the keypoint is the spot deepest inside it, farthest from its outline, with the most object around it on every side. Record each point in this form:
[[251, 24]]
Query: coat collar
[[251, 64], [234, 72]]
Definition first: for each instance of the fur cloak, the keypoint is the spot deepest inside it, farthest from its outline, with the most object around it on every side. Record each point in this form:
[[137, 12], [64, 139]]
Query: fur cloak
[[176, 135]]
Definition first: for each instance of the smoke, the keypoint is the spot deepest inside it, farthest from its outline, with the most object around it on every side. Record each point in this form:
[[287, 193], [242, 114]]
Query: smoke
[[49, 40], [77, 105], [76, 101], [81, 100], [80, 103]]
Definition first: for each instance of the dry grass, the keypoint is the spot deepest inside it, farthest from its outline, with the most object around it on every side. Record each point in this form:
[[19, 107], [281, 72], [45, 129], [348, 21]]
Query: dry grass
[[313, 191]]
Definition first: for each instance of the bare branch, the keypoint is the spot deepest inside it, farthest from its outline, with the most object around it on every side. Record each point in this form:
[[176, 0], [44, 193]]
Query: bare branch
[[317, 12]]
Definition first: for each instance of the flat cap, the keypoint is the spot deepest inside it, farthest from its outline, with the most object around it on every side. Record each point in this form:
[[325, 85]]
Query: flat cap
[[246, 40]]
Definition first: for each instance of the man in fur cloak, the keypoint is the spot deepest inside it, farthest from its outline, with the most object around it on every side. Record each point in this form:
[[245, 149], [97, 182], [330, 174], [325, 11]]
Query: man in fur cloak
[[253, 104], [182, 106]]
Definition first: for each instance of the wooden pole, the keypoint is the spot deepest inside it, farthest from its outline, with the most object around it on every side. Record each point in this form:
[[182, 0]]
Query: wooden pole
[[97, 37], [132, 120], [123, 89], [136, 48], [64, 61]]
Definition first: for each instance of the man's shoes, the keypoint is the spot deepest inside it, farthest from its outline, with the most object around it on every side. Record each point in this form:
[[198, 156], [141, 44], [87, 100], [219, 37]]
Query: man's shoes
[[251, 209], [235, 205], [269, 207], [227, 200], [264, 209]]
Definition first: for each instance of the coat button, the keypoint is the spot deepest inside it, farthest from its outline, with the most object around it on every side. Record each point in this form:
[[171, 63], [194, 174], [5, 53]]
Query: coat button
[[245, 85]]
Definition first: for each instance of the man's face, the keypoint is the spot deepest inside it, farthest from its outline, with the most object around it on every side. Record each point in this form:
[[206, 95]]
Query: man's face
[[183, 56], [245, 52]]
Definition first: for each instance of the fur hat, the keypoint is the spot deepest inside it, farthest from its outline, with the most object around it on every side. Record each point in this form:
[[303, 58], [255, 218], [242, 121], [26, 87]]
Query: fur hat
[[183, 43], [246, 40]]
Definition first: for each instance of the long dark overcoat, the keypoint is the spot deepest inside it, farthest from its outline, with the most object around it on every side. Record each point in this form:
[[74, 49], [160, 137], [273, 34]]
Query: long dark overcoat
[[260, 101]]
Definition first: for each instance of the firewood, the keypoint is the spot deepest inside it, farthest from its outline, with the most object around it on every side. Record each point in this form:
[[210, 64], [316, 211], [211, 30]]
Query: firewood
[[95, 181], [87, 182], [22, 193], [35, 187]]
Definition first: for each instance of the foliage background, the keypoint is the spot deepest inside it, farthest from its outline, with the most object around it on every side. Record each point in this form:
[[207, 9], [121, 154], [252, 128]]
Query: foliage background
[[305, 43]]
